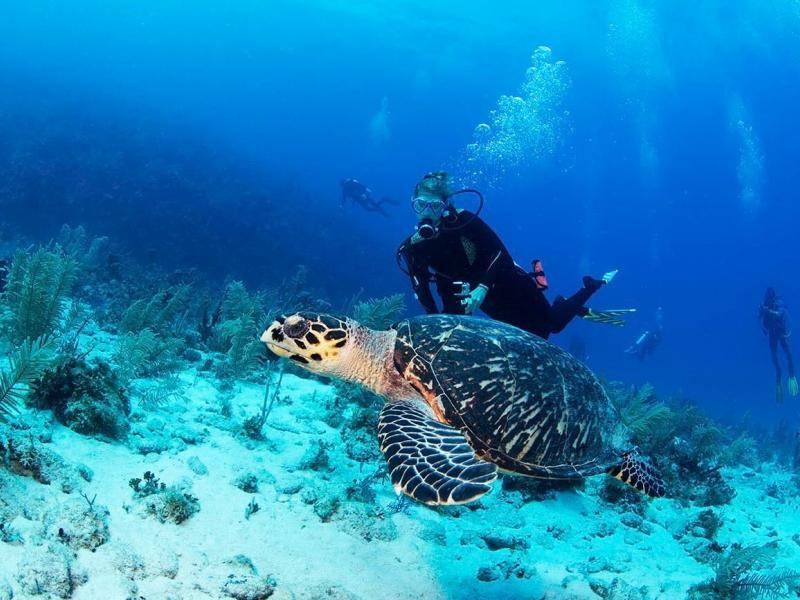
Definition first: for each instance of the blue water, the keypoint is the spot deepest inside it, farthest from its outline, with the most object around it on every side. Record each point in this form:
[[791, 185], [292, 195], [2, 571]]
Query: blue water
[[213, 136]]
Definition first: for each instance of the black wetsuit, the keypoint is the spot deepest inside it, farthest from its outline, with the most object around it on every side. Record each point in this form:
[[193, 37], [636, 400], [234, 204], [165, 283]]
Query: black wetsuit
[[774, 322], [466, 249]]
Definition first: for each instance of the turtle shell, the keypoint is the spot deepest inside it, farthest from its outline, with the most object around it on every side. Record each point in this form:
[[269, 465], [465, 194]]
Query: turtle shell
[[522, 403]]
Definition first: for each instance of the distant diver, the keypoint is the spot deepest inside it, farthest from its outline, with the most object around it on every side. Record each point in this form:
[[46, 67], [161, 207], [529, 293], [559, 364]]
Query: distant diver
[[647, 342], [774, 319], [473, 269], [360, 194]]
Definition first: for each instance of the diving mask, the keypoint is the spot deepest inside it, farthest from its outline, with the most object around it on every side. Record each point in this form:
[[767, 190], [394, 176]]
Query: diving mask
[[433, 206]]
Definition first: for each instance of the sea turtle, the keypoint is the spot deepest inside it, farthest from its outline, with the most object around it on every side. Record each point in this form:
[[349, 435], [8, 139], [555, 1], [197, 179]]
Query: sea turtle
[[466, 396]]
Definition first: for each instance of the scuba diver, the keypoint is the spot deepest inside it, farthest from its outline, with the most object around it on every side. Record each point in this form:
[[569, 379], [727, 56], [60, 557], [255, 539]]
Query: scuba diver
[[775, 324], [646, 343], [358, 193], [473, 269]]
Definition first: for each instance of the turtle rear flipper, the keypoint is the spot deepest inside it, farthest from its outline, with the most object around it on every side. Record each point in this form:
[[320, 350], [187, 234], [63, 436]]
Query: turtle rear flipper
[[428, 460], [638, 473]]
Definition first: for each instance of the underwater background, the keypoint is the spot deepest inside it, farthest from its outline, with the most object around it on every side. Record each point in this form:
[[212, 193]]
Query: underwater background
[[204, 143]]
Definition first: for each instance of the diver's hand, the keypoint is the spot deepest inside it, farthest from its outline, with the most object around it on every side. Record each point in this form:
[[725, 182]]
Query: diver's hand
[[792, 385], [471, 301]]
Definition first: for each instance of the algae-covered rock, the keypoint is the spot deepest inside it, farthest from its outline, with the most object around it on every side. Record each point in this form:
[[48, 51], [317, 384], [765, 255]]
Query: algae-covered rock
[[49, 571], [24, 455], [78, 523], [238, 578], [86, 398], [366, 523]]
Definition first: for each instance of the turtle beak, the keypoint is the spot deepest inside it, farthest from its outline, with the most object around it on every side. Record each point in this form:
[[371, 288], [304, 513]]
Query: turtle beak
[[274, 338]]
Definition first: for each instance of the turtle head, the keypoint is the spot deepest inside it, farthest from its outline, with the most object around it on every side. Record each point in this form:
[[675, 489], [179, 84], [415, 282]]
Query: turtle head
[[314, 341]]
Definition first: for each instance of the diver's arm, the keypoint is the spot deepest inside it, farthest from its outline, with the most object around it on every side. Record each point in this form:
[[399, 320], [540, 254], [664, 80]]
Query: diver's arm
[[420, 281], [422, 291]]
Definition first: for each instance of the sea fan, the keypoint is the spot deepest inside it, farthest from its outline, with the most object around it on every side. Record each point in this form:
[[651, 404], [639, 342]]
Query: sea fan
[[765, 586], [161, 313], [739, 575], [649, 420], [38, 285], [25, 365], [380, 313]]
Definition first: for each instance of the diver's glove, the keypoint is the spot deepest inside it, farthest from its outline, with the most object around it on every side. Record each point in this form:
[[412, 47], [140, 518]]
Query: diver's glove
[[608, 317], [472, 300], [792, 385]]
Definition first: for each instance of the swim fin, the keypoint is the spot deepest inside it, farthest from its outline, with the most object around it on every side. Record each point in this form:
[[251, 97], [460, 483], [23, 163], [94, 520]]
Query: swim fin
[[608, 317], [608, 277], [792, 385]]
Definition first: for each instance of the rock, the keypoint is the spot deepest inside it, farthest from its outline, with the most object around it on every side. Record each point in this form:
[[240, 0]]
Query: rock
[[434, 533], [147, 443], [77, 524], [197, 466], [488, 573], [128, 562], [631, 520], [247, 482], [315, 458], [49, 570], [503, 541], [155, 424], [603, 529], [25, 456], [357, 519], [618, 589], [189, 435], [326, 507], [243, 582], [309, 495], [291, 487], [323, 591]]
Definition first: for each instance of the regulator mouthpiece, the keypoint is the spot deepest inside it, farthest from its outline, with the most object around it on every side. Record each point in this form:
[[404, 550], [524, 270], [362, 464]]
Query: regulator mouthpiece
[[426, 229]]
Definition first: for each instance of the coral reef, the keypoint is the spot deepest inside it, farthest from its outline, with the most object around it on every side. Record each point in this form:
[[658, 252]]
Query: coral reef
[[166, 503], [86, 398], [687, 447]]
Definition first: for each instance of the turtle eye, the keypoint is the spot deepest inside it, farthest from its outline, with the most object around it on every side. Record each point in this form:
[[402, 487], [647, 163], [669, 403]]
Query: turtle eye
[[295, 326]]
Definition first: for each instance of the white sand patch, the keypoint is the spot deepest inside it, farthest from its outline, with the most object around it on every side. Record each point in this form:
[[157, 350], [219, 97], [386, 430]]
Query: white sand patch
[[560, 546]]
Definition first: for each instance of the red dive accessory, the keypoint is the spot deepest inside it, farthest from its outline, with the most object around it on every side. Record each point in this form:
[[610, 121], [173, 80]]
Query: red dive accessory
[[538, 274]]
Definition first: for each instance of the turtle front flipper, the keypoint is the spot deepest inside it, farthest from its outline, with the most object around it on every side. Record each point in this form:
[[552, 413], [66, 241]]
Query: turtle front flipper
[[428, 460], [638, 473]]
